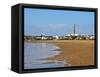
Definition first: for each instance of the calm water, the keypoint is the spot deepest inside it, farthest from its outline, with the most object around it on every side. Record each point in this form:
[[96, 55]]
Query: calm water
[[35, 53]]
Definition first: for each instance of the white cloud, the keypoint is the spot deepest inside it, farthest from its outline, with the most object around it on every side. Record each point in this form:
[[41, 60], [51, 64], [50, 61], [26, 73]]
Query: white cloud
[[57, 25]]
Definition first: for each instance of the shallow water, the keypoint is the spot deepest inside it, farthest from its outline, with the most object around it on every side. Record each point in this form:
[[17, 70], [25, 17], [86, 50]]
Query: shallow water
[[34, 53]]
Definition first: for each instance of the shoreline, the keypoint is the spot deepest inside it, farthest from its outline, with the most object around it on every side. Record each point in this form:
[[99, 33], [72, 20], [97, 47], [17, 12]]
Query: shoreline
[[76, 52]]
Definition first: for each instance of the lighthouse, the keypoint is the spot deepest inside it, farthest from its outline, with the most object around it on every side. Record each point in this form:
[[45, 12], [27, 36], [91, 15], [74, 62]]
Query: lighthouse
[[73, 31]]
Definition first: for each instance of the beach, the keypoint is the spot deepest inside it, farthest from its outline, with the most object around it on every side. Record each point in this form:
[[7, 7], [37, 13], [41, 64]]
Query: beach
[[75, 52]]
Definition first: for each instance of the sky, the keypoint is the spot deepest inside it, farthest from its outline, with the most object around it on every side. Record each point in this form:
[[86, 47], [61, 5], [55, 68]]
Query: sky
[[57, 22]]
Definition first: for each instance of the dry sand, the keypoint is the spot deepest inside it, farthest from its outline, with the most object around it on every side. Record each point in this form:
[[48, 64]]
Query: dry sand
[[77, 53]]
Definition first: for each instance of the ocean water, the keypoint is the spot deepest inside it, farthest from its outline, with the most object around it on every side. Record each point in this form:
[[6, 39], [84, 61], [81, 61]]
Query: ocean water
[[35, 55]]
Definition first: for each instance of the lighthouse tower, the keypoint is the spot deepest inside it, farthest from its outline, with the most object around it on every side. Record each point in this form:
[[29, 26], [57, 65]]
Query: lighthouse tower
[[73, 31]]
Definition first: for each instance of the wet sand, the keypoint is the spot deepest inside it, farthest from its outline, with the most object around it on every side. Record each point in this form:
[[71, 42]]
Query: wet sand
[[76, 52]]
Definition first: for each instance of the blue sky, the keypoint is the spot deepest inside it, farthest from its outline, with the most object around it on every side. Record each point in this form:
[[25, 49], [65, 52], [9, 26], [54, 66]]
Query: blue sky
[[57, 22]]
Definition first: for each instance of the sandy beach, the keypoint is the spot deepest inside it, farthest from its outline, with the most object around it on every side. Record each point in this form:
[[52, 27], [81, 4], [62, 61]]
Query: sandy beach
[[76, 52]]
